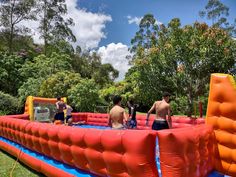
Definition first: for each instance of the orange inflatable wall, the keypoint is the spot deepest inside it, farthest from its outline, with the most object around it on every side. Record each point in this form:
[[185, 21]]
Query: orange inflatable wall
[[102, 119], [221, 113], [186, 152], [114, 153]]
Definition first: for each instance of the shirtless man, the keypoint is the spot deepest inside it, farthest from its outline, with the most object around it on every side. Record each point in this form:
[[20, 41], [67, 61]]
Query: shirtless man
[[60, 106], [162, 109], [117, 114]]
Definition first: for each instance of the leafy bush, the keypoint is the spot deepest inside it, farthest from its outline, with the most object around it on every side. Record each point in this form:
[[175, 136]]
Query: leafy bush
[[57, 85], [8, 104], [10, 79], [84, 96], [30, 87], [179, 106]]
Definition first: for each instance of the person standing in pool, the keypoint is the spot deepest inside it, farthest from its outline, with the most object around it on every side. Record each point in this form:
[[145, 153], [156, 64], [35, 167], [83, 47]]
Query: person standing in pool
[[60, 106], [162, 109], [69, 110], [132, 122], [117, 114]]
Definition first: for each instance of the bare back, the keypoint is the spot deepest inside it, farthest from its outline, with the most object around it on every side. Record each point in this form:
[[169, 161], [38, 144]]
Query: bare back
[[161, 108], [117, 116], [60, 106]]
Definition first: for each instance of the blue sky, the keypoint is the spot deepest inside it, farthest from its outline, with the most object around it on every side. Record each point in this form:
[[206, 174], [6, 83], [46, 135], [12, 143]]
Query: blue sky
[[119, 30]]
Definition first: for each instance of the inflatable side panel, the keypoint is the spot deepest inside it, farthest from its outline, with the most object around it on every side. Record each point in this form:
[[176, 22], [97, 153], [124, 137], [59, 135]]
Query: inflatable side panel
[[221, 114], [186, 152], [34, 163], [47, 100], [116, 153], [102, 120], [177, 122], [29, 107], [18, 116], [97, 119], [79, 117]]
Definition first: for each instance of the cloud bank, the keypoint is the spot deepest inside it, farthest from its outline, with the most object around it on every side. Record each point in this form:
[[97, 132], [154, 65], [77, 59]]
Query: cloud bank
[[116, 55], [89, 27], [135, 20]]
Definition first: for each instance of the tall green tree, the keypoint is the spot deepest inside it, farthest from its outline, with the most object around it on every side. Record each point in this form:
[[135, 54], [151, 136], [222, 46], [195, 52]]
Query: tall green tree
[[8, 104], [44, 66], [182, 62], [218, 12], [53, 25], [58, 84], [10, 78], [12, 13], [40, 72], [84, 96], [90, 66], [30, 87], [146, 36]]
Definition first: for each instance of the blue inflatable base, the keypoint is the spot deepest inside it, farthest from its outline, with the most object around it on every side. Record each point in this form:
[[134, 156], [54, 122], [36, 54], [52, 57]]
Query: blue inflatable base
[[50, 161]]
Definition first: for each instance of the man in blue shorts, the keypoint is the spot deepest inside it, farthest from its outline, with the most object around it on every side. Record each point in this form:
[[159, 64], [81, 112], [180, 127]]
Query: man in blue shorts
[[132, 122], [162, 109]]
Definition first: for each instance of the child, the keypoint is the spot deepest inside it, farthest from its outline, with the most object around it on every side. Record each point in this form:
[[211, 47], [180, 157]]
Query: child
[[68, 114], [132, 122]]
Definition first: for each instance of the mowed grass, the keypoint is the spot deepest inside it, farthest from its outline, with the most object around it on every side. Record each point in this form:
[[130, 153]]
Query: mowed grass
[[6, 165]]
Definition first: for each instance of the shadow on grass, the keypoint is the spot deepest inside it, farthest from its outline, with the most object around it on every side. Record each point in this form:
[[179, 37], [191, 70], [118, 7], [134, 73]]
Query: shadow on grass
[[9, 161]]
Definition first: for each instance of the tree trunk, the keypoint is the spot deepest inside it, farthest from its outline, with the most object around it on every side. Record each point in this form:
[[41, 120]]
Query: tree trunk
[[11, 39], [190, 100], [12, 28], [45, 27]]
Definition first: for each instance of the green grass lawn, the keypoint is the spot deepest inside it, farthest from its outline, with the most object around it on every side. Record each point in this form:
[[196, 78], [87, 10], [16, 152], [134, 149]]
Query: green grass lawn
[[6, 164]]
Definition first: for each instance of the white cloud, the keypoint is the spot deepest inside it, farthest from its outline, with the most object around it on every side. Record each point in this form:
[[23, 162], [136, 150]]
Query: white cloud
[[89, 27], [135, 20], [158, 23], [116, 55]]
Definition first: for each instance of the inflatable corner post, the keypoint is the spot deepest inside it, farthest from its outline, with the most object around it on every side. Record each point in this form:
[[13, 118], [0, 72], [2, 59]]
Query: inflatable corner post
[[221, 114], [31, 100]]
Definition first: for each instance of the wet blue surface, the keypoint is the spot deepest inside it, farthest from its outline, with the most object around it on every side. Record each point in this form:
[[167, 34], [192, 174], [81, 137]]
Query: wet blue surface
[[93, 126]]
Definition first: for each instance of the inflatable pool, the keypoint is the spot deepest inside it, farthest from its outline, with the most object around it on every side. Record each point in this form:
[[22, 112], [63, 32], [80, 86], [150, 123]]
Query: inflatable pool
[[193, 148]]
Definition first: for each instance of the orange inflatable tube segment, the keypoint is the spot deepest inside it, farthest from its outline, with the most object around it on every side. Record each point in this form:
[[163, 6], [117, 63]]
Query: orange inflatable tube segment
[[221, 114], [187, 151]]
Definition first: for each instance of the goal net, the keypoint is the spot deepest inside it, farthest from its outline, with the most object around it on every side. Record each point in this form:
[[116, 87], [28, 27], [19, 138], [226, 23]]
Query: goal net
[[41, 109]]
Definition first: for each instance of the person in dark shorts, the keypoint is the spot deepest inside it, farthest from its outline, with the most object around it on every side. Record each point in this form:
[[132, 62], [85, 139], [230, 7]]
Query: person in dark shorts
[[132, 122], [60, 106], [69, 109], [162, 109]]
